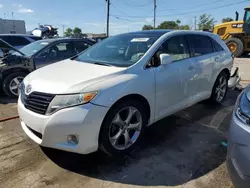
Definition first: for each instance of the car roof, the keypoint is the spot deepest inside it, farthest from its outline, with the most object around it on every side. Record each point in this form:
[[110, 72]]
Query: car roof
[[65, 39], [160, 32], [21, 35]]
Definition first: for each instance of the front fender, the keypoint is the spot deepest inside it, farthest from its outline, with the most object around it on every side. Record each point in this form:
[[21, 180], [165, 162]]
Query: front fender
[[111, 90]]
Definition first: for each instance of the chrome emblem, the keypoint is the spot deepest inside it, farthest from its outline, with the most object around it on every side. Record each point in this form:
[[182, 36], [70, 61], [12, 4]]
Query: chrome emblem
[[28, 89]]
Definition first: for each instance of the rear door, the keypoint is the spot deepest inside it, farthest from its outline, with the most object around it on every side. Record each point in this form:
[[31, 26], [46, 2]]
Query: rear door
[[202, 54]]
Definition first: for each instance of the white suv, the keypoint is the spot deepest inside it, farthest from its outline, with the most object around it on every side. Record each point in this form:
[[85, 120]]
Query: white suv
[[106, 96]]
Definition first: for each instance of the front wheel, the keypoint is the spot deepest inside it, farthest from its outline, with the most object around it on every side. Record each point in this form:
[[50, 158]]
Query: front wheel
[[123, 128], [11, 83], [219, 89]]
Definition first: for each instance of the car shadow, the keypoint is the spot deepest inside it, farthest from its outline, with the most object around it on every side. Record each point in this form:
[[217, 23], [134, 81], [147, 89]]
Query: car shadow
[[7, 100], [175, 150]]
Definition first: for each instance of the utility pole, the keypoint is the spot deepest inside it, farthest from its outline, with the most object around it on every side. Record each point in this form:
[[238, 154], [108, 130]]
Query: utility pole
[[108, 5], [195, 23], [63, 29], [154, 12]]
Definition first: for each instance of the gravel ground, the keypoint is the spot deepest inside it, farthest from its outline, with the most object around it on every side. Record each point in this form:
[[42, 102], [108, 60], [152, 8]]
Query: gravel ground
[[183, 150]]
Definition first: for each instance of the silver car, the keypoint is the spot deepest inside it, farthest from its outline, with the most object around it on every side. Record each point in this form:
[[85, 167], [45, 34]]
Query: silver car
[[238, 156]]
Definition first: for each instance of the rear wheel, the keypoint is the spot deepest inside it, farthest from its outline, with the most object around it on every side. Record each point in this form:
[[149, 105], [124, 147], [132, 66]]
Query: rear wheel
[[11, 83], [123, 128], [219, 89], [236, 46]]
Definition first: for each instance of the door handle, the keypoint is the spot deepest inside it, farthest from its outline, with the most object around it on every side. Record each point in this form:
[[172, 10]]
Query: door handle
[[191, 68]]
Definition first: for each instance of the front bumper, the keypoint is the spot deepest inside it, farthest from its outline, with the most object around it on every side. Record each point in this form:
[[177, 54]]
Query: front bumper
[[238, 154], [51, 131]]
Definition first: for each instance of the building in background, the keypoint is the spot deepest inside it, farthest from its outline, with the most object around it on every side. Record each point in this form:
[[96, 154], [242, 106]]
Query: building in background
[[12, 26], [94, 36]]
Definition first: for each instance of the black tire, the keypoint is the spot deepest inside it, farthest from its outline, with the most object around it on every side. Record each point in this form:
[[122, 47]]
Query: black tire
[[104, 141], [7, 80], [245, 54], [213, 98], [239, 50]]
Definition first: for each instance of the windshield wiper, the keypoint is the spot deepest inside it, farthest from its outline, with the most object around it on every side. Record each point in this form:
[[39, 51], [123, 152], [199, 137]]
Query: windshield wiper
[[105, 64]]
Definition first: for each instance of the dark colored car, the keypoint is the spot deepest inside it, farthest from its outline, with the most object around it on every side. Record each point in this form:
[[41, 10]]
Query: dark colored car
[[238, 154], [19, 40], [16, 64]]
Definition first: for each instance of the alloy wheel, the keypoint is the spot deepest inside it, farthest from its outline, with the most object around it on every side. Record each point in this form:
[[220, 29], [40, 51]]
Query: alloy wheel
[[125, 128], [221, 89], [14, 85]]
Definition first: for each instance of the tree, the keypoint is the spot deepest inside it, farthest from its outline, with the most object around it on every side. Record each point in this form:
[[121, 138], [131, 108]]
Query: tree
[[77, 31], [184, 27], [68, 32], [227, 19], [206, 21], [168, 25], [147, 27]]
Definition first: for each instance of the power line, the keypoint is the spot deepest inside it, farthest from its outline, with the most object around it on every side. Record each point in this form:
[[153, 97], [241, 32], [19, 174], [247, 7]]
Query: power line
[[192, 6], [119, 10], [132, 4], [154, 12], [184, 13]]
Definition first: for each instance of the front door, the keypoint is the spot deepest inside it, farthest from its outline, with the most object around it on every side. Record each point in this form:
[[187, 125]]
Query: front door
[[170, 80]]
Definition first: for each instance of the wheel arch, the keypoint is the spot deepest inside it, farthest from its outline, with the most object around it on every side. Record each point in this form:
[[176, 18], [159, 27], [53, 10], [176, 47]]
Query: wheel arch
[[14, 70], [136, 97]]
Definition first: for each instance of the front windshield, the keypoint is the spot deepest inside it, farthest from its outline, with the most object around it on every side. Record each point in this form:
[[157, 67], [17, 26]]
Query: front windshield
[[121, 50], [33, 47]]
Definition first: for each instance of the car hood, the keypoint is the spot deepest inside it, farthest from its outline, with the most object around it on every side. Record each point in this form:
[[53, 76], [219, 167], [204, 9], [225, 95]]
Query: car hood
[[69, 76]]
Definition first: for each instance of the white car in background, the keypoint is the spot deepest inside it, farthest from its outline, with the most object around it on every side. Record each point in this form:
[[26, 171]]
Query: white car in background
[[106, 96]]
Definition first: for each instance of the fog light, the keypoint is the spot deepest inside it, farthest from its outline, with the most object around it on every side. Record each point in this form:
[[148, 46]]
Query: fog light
[[72, 139]]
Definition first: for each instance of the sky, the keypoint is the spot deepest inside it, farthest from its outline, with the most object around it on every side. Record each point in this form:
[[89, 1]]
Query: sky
[[125, 15]]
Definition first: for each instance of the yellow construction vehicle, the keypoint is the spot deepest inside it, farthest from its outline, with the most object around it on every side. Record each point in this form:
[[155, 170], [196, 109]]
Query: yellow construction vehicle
[[236, 34]]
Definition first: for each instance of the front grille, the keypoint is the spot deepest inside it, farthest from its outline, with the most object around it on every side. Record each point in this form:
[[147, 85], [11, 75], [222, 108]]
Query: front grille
[[36, 101]]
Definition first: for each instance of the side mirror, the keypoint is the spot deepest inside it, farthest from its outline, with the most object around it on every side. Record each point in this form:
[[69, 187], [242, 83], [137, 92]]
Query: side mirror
[[165, 59]]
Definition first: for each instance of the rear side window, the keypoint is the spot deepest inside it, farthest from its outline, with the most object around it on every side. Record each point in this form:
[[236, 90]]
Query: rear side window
[[217, 46], [199, 45], [176, 47]]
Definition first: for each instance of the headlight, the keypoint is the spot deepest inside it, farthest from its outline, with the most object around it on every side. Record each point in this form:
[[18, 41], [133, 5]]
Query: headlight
[[242, 108], [64, 101]]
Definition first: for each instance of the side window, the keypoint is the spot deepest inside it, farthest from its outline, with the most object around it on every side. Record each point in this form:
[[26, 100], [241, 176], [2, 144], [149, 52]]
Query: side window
[[19, 41], [247, 19], [199, 45], [81, 46], [59, 51], [217, 46], [176, 47]]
